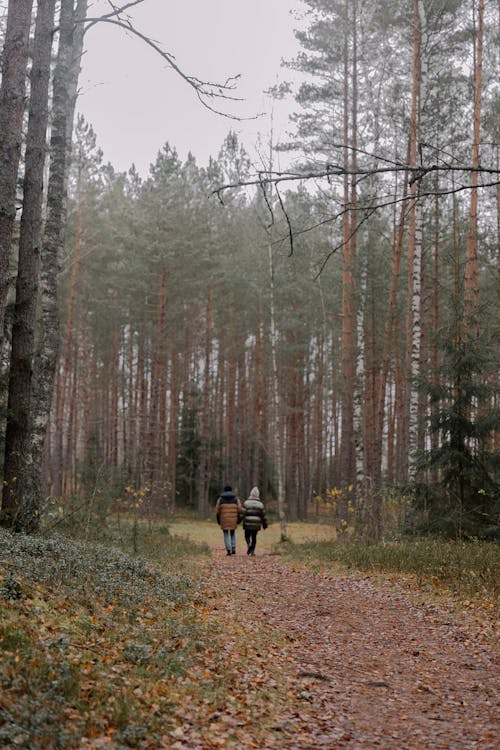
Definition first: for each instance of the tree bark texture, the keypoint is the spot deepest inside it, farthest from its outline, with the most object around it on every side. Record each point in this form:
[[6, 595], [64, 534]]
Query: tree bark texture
[[12, 106], [471, 309], [17, 437], [65, 86]]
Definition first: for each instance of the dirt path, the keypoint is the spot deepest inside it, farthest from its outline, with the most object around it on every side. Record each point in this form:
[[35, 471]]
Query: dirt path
[[312, 661]]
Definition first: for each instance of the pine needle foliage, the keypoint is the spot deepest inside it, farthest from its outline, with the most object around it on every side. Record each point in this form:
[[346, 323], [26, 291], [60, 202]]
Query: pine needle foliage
[[458, 481]]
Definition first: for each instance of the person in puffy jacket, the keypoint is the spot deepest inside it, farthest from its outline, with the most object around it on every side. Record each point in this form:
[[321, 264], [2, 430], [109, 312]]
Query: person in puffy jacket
[[229, 513], [254, 518]]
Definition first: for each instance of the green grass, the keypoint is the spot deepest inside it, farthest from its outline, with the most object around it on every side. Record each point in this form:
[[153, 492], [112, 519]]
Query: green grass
[[468, 569]]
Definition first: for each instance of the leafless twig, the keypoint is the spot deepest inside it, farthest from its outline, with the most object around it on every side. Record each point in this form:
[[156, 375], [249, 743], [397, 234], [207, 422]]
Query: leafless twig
[[335, 170], [290, 231], [205, 90]]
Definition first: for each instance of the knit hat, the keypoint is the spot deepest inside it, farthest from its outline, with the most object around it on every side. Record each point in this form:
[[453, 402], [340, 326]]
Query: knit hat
[[228, 488], [255, 494]]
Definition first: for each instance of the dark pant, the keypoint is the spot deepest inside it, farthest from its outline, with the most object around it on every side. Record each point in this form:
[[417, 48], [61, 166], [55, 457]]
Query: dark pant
[[251, 539]]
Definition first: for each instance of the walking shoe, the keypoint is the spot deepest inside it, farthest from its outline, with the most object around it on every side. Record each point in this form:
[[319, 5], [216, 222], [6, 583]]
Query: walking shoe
[[228, 553], [233, 552], [249, 551]]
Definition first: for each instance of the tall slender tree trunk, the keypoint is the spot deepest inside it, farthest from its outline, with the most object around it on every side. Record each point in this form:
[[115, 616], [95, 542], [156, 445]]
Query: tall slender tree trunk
[[130, 398], [114, 373], [12, 95], [86, 389], [414, 251], [17, 438], [391, 430], [230, 381], [435, 315], [302, 444], [64, 374], [358, 343], [399, 471], [391, 336], [276, 400], [258, 411], [72, 430], [155, 424], [318, 457], [471, 292], [496, 435], [65, 87], [347, 460], [243, 419], [173, 423], [204, 479], [364, 503], [143, 397]]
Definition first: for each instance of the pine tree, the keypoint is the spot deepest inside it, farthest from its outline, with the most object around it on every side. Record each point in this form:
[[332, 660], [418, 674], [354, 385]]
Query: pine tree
[[464, 500]]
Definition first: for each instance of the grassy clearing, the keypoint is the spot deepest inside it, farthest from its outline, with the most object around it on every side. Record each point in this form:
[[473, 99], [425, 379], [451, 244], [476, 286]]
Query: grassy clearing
[[268, 541], [90, 639]]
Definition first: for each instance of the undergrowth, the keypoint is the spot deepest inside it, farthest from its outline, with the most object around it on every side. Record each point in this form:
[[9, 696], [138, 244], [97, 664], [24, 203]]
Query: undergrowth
[[90, 639]]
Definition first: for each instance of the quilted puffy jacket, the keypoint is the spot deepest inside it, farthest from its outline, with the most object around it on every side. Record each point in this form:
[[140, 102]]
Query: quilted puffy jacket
[[254, 514], [228, 511]]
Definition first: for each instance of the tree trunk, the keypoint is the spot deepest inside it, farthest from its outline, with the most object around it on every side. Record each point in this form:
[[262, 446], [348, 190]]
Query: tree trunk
[[158, 385], [12, 95], [414, 252], [17, 438], [391, 335], [471, 309], [64, 373], [318, 458], [204, 478], [258, 411], [65, 87], [276, 401], [347, 461], [230, 396], [173, 423], [434, 357]]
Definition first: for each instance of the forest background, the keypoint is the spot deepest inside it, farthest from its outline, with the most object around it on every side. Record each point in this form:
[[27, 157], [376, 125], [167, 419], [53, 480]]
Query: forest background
[[329, 334]]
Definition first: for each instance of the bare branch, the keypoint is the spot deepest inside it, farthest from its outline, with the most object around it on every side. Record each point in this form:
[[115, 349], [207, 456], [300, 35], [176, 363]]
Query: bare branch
[[290, 231], [118, 11], [344, 242], [335, 170], [370, 210], [416, 175], [268, 204], [363, 151], [205, 90]]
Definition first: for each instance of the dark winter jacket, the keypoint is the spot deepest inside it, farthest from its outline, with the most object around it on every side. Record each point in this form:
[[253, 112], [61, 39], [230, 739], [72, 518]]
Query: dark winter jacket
[[228, 511], [254, 514]]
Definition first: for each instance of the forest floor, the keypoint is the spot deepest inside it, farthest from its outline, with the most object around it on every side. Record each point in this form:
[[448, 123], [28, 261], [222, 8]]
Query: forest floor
[[180, 647], [308, 660]]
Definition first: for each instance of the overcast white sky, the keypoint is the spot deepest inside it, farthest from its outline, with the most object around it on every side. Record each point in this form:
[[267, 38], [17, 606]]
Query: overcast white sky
[[136, 103]]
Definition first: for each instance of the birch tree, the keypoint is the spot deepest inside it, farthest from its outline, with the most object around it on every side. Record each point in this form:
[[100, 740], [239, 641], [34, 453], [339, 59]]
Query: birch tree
[[12, 94]]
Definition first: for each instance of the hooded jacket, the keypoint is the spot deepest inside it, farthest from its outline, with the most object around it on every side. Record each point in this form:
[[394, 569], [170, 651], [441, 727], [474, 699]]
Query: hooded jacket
[[228, 510], [254, 514]]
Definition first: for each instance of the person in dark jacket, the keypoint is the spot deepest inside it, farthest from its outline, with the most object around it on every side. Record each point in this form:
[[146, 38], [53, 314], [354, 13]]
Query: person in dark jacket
[[254, 519], [229, 512]]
